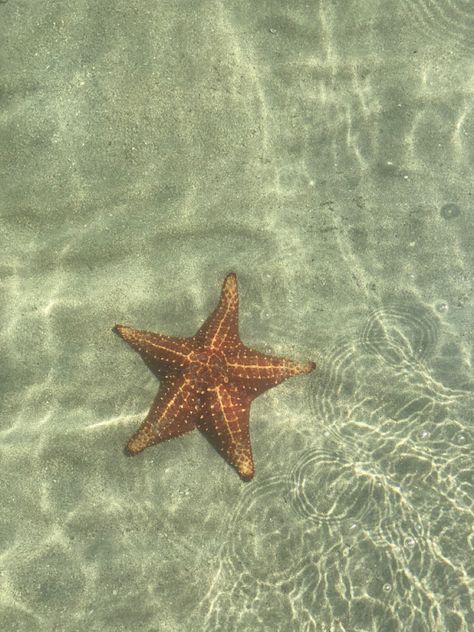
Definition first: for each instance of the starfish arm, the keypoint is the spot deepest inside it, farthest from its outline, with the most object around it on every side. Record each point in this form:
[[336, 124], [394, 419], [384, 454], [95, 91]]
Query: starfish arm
[[172, 414], [222, 326], [255, 372], [159, 352], [225, 420]]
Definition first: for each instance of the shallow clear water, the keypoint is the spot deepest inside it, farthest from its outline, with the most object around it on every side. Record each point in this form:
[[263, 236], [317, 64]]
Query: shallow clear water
[[324, 152]]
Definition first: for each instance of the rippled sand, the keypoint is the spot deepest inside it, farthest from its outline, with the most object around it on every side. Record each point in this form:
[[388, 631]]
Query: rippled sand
[[325, 153]]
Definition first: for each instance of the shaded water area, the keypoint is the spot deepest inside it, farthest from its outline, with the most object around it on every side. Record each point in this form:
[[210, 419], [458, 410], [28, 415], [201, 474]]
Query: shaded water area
[[321, 150]]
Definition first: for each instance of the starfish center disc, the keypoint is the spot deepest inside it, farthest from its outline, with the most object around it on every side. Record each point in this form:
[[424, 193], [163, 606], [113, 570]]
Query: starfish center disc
[[207, 367]]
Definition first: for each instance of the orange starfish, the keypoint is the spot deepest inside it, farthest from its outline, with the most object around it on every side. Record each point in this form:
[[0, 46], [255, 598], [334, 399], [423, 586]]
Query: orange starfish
[[208, 382]]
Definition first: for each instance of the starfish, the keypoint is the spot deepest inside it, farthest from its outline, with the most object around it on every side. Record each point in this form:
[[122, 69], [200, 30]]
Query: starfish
[[208, 381]]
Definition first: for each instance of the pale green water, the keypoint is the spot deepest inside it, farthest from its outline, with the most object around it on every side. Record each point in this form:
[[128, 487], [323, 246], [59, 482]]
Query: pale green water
[[323, 151]]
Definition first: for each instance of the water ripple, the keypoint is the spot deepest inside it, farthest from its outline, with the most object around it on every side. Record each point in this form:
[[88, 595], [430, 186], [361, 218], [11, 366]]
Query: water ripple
[[400, 331], [327, 487], [451, 21]]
